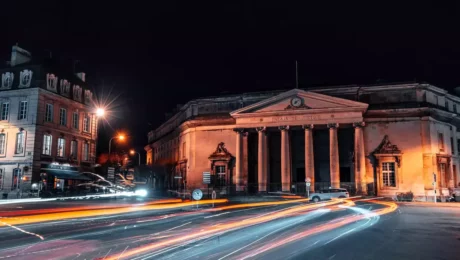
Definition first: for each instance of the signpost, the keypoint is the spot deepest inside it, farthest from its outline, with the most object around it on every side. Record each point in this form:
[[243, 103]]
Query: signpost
[[434, 187], [197, 195], [207, 179], [111, 173], [307, 186]]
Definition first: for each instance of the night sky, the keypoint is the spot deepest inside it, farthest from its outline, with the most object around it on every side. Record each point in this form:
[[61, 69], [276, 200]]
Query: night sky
[[155, 56]]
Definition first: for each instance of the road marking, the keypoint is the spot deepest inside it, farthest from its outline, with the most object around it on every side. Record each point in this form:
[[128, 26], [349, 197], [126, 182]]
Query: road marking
[[177, 227], [107, 253]]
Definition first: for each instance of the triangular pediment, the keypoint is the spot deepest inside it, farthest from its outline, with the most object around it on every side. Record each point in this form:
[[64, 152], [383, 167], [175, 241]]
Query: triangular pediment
[[298, 100]]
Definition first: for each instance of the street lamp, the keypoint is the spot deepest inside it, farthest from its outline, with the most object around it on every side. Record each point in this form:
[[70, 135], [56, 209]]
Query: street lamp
[[119, 137], [100, 112], [132, 152]]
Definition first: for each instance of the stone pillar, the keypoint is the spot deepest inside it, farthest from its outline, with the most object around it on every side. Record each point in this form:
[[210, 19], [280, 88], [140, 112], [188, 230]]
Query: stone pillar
[[285, 174], [309, 159], [267, 161], [261, 161], [334, 163], [360, 159], [239, 160]]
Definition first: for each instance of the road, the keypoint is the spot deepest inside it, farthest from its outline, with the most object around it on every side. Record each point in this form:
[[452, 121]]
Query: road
[[290, 229]]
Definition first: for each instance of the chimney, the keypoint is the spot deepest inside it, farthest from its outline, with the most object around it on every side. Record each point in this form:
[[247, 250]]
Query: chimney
[[81, 76], [19, 56]]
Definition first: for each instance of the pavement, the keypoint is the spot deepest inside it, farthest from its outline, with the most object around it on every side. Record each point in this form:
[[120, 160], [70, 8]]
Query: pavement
[[286, 229]]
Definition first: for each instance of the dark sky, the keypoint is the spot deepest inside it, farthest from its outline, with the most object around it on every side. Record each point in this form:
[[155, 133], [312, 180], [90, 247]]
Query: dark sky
[[156, 55]]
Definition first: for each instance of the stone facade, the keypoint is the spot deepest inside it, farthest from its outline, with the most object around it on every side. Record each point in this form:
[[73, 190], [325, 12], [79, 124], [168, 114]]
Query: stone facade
[[382, 140], [43, 124]]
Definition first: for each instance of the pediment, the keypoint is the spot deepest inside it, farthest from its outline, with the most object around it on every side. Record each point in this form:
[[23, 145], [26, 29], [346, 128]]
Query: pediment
[[301, 101]]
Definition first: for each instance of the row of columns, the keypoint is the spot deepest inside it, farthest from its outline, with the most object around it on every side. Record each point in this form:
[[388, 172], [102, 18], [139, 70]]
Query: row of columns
[[309, 157]]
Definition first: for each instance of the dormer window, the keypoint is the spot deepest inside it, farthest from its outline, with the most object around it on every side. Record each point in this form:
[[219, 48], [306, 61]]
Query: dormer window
[[77, 93], [25, 78], [65, 87], [7, 79], [88, 96], [51, 82]]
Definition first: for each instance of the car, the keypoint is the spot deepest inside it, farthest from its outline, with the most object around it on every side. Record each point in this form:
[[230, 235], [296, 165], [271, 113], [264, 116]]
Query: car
[[327, 194]]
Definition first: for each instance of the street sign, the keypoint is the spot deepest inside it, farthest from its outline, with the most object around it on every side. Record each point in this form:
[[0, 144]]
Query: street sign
[[206, 178], [197, 194], [308, 184], [111, 173], [308, 179], [177, 177]]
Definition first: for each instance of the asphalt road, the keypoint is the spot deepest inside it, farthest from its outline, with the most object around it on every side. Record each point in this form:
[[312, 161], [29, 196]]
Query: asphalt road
[[366, 230]]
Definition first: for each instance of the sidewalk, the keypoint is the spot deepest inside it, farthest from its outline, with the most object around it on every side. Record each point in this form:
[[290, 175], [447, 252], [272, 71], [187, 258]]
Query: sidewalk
[[431, 204]]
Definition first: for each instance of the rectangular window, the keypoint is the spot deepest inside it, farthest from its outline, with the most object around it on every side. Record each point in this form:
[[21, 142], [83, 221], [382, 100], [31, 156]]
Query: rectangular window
[[75, 119], [49, 113], [61, 147], [2, 177], [19, 143], [47, 140], [63, 117], [16, 178], [441, 142], [74, 149], [5, 111], [86, 123], [2, 144], [22, 110], [452, 145], [454, 168], [455, 108], [388, 174], [85, 152]]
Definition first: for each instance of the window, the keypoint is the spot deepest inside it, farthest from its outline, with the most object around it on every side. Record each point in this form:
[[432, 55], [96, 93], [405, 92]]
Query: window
[[61, 147], [22, 110], [63, 116], [455, 108], [458, 146], [74, 149], [85, 152], [441, 142], [452, 145], [47, 140], [49, 113], [75, 119], [2, 144], [1, 178], [19, 143], [388, 174], [220, 175], [5, 111], [16, 178], [86, 123]]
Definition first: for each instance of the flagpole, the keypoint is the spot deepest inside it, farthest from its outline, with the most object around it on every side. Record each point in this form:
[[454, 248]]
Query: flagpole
[[296, 74]]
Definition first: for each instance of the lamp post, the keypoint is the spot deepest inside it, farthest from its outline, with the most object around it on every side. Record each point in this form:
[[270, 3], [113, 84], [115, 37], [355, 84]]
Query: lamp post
[[119, 137], [132, 152]]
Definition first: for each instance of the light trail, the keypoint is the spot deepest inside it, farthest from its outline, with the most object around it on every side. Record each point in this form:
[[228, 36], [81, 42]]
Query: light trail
[[208, 231], [22, 230], [102, 212], [81, 208], [391, 207]]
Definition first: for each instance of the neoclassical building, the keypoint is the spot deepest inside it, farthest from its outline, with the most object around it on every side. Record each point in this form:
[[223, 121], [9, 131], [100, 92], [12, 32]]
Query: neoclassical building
[[376, 139]]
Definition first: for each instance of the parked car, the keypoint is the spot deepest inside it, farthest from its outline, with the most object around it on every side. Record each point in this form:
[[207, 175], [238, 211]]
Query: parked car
[[328, 194]]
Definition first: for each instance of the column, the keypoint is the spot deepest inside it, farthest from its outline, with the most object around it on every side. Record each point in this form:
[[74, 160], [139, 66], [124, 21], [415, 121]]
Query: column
[[285, 174], [334, 164], [261, 162], [267, 162], [239, 159], [309, 159], [360, 159]]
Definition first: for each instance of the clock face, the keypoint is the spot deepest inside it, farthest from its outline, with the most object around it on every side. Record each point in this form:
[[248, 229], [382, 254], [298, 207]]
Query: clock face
[[296, 102], [197, 194]]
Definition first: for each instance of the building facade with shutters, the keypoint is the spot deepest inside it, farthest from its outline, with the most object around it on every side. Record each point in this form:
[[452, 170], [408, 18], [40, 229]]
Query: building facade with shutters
[[379, 139], [47, 126]]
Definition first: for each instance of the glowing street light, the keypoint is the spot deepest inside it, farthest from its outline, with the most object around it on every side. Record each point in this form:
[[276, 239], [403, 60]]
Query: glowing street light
[[132, 152], [120, 137], [100, 112]]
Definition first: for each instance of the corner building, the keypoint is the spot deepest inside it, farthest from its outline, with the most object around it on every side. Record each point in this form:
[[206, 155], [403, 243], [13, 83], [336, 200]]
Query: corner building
[[379, 140]]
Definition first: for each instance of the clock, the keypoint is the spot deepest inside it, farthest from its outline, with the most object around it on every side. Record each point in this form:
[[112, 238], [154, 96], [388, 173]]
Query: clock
[[296, 102], [197, 194]]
